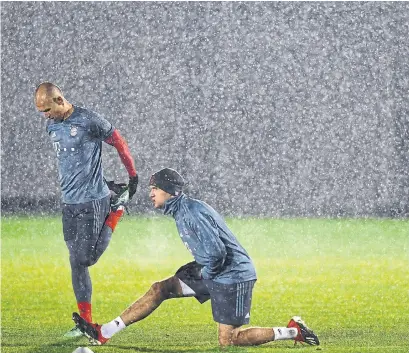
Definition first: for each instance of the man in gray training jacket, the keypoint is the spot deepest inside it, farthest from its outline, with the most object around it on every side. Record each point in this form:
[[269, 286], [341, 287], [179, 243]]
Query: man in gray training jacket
[[89, 214], [222, 272]]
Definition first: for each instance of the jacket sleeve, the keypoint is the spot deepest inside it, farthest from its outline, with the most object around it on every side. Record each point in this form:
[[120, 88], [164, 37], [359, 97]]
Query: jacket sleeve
[[121, 146], [207, 231]]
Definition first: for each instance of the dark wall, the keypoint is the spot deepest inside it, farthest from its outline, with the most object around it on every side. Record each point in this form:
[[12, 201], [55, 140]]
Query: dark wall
[[270, 108]]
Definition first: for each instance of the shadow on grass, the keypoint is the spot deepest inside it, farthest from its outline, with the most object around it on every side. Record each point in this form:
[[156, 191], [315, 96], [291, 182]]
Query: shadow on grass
[[69, 347]]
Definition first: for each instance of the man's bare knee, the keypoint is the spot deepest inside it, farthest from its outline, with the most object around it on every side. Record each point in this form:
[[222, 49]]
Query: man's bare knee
[[231, 339], [166, 289], [228, 335], [158, 290], [224, 342]]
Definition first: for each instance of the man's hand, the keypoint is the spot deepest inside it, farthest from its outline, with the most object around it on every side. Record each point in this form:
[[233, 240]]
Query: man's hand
[[133, 183], [116, 188]]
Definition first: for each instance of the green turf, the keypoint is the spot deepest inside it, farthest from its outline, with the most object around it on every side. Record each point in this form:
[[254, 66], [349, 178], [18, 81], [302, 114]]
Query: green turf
[[349, 279]]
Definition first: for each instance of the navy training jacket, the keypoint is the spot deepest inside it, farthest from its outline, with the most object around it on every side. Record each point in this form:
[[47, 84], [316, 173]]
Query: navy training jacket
[[210, 241]]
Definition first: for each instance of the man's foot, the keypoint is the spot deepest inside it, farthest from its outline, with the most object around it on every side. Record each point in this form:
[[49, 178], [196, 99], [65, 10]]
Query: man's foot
[[120, 199], [304, 333], [73, 333], [92, 331]]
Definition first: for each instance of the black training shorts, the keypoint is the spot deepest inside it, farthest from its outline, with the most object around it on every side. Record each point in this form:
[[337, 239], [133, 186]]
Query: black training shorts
[[82, 225], [231, 303]]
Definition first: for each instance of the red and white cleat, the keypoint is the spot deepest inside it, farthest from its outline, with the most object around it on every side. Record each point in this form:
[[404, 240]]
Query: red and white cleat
[[90, 330], [305, 334]]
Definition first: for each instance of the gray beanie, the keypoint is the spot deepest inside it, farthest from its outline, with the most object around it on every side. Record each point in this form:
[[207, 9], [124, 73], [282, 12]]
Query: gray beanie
[[168, 180]]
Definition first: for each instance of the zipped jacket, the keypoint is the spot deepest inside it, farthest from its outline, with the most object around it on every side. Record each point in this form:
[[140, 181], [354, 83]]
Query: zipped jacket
[[210, 241]]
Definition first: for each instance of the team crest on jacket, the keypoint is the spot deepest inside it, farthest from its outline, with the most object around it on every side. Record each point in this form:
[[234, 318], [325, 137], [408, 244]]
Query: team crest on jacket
[[74, 130]]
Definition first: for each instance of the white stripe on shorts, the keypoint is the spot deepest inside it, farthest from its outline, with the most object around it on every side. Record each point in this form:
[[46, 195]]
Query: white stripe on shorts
[[96, 207], [241, 291]]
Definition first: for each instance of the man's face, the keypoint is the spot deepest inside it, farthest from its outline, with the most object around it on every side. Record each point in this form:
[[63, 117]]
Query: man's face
[[158, 196], [52, 108]]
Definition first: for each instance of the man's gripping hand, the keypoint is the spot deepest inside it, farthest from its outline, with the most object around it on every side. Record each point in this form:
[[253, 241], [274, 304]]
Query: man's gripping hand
[[133, 184], [116, 188]]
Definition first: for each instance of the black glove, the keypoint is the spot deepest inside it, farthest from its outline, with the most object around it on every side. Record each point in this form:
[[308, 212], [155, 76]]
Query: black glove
[[133, 183], [116, 188]]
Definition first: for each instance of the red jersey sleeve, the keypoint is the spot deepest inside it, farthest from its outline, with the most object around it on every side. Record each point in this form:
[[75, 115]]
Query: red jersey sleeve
[[121, 146]]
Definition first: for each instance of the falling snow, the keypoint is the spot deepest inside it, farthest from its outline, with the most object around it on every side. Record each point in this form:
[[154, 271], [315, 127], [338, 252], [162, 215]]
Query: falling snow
[[267, 108]]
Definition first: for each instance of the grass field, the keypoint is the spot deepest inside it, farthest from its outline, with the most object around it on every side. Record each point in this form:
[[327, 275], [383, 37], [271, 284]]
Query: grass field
[[348, 279]]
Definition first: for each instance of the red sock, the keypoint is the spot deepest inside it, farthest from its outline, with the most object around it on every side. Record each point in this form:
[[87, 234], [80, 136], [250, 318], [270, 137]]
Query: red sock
[[85, 310], [113, 218]]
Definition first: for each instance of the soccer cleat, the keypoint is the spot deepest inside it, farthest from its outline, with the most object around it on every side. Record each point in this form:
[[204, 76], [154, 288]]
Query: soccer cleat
[[73, 333], [120, 199], [92, 331], [304, 333]]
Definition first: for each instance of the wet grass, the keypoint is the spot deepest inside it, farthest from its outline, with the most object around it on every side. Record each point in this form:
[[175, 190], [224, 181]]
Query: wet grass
[[347, 278]]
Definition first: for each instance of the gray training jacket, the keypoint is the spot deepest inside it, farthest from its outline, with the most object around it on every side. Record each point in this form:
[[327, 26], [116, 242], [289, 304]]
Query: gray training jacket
[[77, 143], [210, 241]]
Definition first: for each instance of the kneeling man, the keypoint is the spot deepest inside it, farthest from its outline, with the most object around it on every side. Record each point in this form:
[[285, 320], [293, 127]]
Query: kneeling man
[[222, 272]]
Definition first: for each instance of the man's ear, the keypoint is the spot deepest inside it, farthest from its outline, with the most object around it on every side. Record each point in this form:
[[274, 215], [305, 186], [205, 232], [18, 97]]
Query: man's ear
[[58, 100]]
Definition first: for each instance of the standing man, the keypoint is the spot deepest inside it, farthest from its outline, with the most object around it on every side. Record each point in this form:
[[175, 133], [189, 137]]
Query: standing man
[[89, 215], [222, 272]]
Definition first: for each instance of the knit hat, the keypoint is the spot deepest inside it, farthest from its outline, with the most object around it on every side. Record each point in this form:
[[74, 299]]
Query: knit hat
[[168, 180]]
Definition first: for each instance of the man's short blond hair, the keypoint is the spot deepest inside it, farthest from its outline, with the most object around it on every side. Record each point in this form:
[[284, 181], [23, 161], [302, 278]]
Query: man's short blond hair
[[49, 89]]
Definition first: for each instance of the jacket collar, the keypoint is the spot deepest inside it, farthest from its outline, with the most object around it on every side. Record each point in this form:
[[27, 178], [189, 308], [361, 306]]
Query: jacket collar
[[172, 205]]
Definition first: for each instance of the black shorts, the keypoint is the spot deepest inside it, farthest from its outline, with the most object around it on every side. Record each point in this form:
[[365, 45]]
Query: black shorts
[[82, 224], [231, 303], [85, 220]]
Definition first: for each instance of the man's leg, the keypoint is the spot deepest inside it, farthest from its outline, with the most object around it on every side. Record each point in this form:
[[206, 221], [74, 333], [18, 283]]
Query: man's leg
[[186, 282], [253, 336], [84, 232], [157, 293], [143, 307], [90, 223], [88, 230], [117, 207], [231, 306], [95, 230], [105, 236], [296, 330], [81, 281]]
